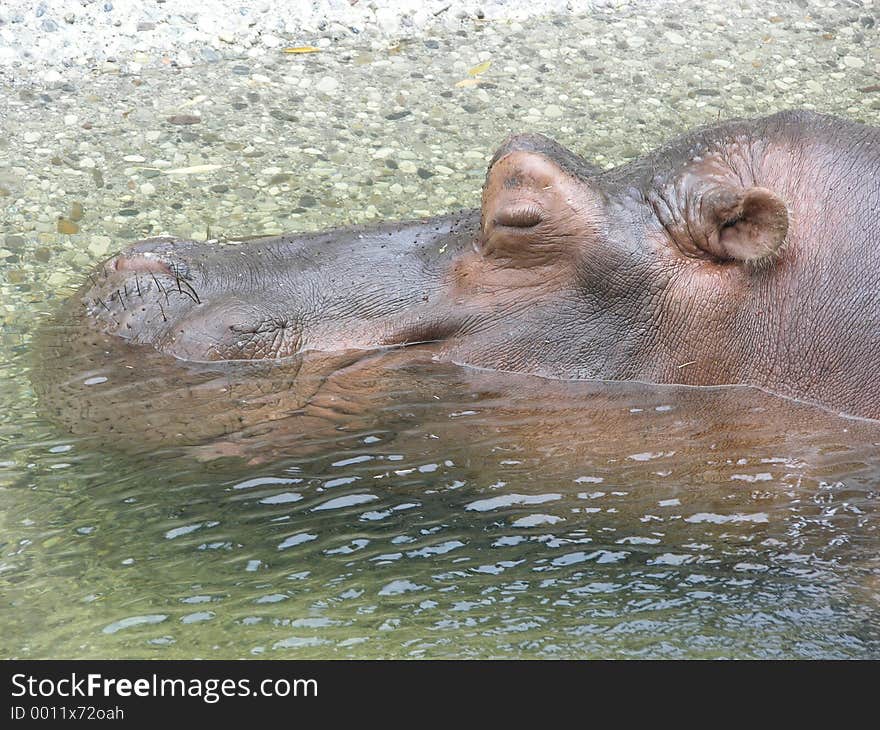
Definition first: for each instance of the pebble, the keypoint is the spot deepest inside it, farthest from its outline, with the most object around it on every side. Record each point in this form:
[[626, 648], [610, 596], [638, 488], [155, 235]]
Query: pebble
[[100, 245], [327, 85], [184, 119], [67, 226], [853, 62]]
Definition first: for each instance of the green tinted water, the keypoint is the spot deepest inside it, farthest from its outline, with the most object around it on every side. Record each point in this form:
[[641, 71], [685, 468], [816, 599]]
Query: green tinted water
[[657, 538]]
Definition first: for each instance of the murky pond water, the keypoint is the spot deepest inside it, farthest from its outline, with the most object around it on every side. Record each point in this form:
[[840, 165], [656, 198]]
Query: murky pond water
[[471, 514]]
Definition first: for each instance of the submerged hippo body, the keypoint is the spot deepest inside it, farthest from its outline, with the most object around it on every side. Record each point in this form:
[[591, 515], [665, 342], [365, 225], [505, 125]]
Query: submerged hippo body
[[746, 252]]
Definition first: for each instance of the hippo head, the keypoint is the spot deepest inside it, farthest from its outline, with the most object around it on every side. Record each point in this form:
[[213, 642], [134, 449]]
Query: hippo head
[[694, 265]]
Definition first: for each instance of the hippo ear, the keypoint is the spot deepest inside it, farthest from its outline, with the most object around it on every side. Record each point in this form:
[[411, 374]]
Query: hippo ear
[[742, 224]]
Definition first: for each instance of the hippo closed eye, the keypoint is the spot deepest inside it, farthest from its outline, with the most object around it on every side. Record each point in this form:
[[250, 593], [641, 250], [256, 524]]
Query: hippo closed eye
[[746, 252]]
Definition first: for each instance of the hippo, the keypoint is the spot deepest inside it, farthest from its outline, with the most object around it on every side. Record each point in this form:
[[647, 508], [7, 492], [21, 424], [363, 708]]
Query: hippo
[[743, 253]]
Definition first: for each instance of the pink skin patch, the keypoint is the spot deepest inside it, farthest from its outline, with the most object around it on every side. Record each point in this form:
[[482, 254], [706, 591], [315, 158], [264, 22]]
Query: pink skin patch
[[142, 263]]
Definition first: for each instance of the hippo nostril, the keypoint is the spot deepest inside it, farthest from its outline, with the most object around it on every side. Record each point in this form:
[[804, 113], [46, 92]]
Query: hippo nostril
[[133, 261], [142, 263], [160, 255]]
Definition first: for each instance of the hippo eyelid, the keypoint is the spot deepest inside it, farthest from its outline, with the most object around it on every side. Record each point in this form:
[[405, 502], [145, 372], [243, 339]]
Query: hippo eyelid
[[523, 216]]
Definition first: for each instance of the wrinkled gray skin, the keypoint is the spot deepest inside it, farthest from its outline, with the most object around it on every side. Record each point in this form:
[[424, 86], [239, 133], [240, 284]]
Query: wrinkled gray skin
[[746, 252]]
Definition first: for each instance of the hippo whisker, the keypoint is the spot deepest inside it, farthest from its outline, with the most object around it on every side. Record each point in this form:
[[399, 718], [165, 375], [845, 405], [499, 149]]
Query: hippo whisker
[[121, 300], [160, 287], [193, 292]]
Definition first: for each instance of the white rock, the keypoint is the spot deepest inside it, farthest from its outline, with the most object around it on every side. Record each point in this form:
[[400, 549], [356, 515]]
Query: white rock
[[327, 85]]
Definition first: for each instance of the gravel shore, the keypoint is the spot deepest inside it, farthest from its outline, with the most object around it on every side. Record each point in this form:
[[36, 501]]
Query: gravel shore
[[50, 36]]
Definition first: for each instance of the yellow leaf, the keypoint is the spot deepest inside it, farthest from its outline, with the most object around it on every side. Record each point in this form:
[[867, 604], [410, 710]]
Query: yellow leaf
[[302, 49], [467, 82], [481, 68]]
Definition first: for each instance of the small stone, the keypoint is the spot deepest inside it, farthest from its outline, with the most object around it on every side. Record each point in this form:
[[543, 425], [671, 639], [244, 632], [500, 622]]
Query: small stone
[[76, 211], [134, 158], [43, 254], [184, 119], [327, 85], [853, 62], [57, 279], [67, 226], [146, 26], [552, 111], [99, 245], [407, 166], [147, 188]]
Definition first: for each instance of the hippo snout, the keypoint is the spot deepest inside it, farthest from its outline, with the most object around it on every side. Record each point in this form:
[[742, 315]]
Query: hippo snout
[[142, 291]]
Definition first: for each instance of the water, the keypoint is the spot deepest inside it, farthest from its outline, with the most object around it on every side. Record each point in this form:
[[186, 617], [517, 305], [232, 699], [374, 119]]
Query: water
[[470, 514]]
